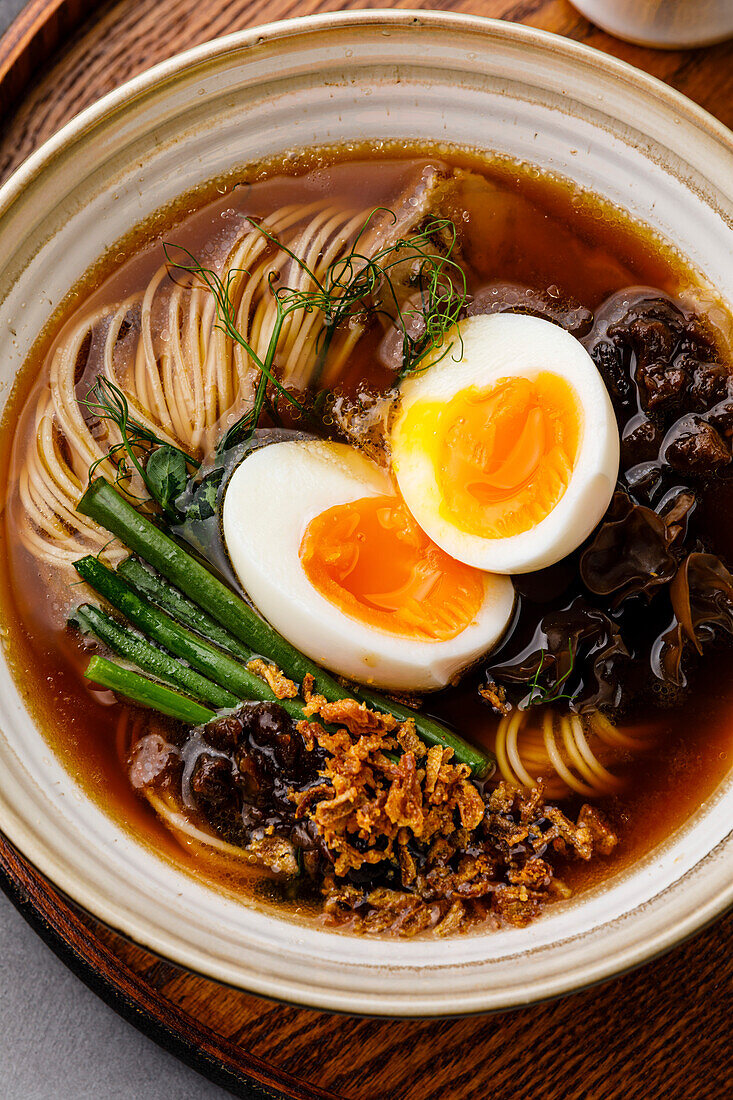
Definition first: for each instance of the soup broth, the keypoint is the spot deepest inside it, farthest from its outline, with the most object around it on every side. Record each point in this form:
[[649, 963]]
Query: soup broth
[[527, 243]]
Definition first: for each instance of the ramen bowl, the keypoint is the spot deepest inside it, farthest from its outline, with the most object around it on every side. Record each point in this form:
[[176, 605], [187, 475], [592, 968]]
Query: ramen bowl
[[335, 80]]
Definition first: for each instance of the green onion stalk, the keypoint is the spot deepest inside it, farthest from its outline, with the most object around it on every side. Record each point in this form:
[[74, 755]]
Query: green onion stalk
[[240, 632]]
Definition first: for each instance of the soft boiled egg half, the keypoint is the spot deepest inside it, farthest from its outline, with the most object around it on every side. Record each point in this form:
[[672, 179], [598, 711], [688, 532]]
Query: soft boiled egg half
[[327, 551], [505, 448]]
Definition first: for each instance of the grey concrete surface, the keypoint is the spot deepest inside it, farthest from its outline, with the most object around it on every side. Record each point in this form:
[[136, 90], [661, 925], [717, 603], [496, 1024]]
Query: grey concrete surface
[[58, 1041], [8, 11]]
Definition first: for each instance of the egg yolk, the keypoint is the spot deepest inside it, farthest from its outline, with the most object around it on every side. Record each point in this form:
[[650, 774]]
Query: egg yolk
[[502, 457], [370, 559]]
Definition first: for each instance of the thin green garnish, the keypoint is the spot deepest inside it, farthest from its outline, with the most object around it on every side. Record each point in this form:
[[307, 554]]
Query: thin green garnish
[[544, 694], [161, 466], [350, 288]]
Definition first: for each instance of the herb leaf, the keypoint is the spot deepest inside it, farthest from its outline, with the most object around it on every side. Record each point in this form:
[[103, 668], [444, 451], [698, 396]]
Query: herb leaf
[[138, 443], [166, 475]]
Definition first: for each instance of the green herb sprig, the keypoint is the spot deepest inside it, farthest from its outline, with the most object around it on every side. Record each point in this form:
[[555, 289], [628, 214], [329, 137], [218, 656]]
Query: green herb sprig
[[226, 322], [352, 283], [162, 467], [541, 694], [348, 289]]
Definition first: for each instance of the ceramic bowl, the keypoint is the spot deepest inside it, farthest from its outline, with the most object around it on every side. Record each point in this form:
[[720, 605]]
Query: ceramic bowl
[[377, 75]]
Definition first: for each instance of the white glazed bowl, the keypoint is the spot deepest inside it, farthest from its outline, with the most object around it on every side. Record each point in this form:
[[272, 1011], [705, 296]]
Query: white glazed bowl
[[337, 79]]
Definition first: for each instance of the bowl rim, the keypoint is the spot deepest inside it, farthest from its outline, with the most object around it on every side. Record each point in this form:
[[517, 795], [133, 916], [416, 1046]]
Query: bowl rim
[[94, 899], [144, 82]]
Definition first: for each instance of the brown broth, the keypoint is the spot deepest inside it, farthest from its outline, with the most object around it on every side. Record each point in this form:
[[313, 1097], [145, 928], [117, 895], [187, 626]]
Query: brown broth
[[540, 231]]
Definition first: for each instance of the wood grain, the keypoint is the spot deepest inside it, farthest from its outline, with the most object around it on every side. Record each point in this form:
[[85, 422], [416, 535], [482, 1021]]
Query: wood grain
[[30, 41], [129, 36], [661, 1032]]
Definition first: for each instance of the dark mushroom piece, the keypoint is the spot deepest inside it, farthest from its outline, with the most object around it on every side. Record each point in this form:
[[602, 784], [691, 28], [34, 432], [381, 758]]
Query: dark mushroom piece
[[693, 446], [654, 354], [574, 655], [550, 304], [631, 553], [702, 601], [702, 597]]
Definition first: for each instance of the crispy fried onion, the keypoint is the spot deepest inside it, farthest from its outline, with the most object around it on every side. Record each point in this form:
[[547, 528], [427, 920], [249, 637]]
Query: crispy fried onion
[[451, 856], [277, 681]]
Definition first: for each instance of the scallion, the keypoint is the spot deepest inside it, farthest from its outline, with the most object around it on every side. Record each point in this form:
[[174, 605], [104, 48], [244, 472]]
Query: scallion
[[147, 693]]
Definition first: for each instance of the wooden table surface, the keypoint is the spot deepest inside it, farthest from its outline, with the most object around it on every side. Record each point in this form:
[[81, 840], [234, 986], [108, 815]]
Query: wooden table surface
[[661, 1032]]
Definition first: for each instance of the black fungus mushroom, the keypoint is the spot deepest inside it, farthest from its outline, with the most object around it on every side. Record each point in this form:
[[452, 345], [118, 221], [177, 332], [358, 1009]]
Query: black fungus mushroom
[[243, 770], [574, 655], [702, 597], [701, 594], [550, 304], [653, 353], [694, 447], [632, 550]]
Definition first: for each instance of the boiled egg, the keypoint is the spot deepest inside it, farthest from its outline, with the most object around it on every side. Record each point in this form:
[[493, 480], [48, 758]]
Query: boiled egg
[[505, 447], [327, 551]]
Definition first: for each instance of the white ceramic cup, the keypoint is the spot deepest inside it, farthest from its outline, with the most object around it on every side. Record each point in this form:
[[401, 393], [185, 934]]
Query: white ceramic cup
[[666, 24]]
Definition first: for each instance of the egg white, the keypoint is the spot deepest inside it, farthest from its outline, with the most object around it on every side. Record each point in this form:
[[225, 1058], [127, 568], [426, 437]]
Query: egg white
[[269, 502], [495, 347]]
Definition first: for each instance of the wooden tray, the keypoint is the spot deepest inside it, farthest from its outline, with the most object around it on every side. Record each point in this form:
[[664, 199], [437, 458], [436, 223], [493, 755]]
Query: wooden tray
[[662, 1031]]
